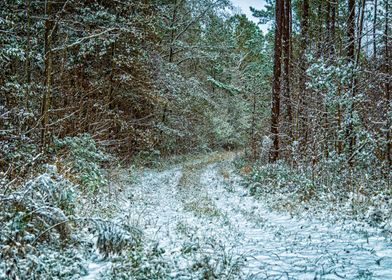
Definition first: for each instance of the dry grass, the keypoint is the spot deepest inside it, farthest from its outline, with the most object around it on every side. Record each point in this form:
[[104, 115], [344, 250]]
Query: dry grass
[[202, 206], [246, 169], [193, 198]]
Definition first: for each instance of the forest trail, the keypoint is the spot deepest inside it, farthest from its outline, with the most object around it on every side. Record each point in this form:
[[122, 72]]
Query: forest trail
[[200, 211]]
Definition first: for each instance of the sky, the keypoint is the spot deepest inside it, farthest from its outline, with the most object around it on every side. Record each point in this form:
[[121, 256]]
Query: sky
[[244, 6]]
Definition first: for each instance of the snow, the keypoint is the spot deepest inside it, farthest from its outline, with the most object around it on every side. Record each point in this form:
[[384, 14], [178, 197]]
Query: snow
[[94, 270], [204, 203]]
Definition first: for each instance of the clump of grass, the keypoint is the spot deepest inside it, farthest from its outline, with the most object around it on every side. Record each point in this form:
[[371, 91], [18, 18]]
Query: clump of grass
[[253, 217], [184, 228], [224, 172], [213, 260], [202, 206], [190, 178]]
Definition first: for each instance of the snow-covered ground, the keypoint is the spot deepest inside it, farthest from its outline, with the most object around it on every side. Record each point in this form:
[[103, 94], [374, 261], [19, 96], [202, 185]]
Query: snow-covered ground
[[200, 209]]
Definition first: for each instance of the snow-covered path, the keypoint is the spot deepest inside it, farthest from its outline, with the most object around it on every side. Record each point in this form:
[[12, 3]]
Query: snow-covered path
[[201, 209], [286, 248]]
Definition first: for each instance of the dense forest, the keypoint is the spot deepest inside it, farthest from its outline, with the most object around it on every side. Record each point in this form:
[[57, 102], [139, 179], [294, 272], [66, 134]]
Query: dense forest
[[96, 94]]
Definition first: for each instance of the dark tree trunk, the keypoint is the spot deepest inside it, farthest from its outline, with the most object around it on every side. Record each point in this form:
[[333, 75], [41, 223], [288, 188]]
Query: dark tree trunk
[[253, 128], [49, 24], [28, 56], [111, 77], [320, 37], [302, 129], [360, 29], [328, 26], [171, 59], [374, 31], [388, 86], [275, 102], [351, 30], [286, 71], [333, 22], [351, 58]]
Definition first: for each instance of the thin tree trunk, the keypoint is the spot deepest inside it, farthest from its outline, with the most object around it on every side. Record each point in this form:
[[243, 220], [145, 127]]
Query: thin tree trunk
[[328, 24], [339, 144], [352, 137], [171, 57], [48, 73], [253, 129], [337, 50], [28, 56], [275, 102], [111, 77], [286, 71], [351, 58], [360, 29], [333, 24], [374, 31], [388, 86], [302, 108], [320, 37], [351, 30]]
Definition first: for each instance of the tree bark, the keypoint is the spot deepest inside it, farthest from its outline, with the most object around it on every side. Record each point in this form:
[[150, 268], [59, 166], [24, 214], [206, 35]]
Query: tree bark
[[360, 29], [170, 58], [333, 22], [388, 86], [351, 30], [49, 24], [275, 102], [351, 58], [111, 76], [253, 128], [286, 71], [28, 56], [303, 102], [374, 31]]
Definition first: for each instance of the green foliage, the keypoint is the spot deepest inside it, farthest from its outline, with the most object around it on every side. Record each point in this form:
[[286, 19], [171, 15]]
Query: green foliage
[[266, 15], [115, 238], [84, 159], [35, 225], [278, 177], [359, 191], [229, 88], [213, 260], [145, 262]]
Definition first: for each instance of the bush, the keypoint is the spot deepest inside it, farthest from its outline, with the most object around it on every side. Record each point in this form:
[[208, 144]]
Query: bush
[[356, 192], [35, 229], [38, 236], [143, 262], [212, 260], [280, 177], [83, 160], [114, 238]]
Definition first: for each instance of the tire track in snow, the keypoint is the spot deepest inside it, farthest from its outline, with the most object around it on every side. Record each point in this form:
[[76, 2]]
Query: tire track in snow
[[282, 247], [276, 245]]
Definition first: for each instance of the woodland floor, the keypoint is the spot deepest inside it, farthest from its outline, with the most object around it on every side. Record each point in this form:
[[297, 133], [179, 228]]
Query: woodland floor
[[200, 208]]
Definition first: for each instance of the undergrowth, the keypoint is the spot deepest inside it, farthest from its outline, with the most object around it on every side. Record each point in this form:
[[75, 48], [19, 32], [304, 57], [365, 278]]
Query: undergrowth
[[81, 160], [335, 188], [54, 223], [48, 223]]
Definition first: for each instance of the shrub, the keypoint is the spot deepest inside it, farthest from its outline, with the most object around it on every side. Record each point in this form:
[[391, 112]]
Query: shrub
[[114, 238], [213, 260], [279, 177], [143, 262], [357, 192], [35, 226], [83, 160]]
